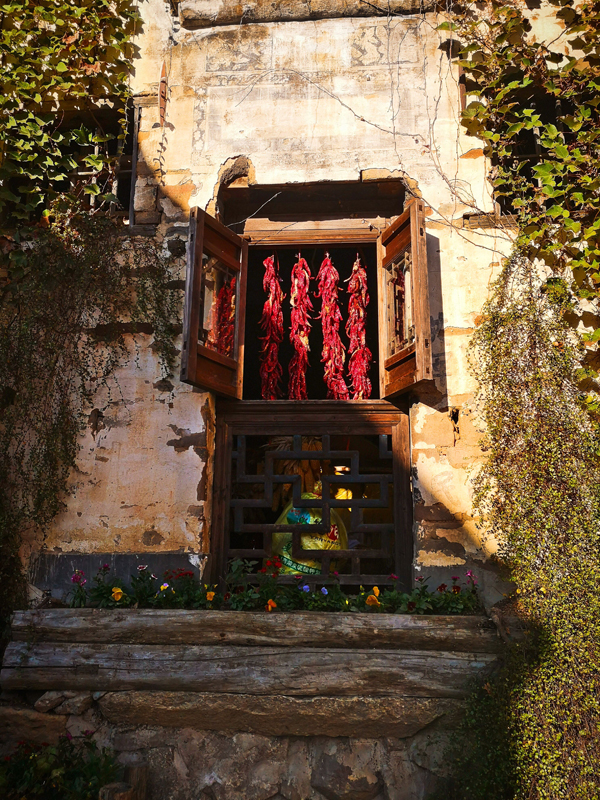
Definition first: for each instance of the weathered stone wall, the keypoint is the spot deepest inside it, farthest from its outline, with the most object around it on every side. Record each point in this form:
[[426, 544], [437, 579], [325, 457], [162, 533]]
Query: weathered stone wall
[[190, 764]]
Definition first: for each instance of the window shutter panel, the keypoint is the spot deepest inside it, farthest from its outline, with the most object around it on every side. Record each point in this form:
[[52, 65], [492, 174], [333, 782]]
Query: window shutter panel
[[214, 311], [404, 320]]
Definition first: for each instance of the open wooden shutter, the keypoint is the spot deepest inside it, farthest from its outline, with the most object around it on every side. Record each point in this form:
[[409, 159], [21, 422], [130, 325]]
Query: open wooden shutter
[[215, 299], [404, 323]]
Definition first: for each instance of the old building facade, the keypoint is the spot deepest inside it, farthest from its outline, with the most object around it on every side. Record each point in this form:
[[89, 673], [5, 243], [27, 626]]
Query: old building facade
[[298, 128]]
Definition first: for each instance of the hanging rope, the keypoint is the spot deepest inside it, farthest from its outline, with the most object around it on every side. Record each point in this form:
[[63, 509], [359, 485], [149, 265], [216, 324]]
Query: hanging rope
[[333, 355], [360, 355], [271, 323], [300, 328]]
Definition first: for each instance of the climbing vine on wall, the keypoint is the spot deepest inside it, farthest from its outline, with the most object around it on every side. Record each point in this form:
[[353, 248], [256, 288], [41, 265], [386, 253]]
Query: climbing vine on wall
[[534, 729], [63, 65], [536, 106], [73, 285], [76, 288]]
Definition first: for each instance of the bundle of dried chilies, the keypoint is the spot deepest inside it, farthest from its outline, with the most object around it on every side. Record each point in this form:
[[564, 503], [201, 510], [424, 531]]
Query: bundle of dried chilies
[[360, 356], [333, 356], [271, 323], [300, 327], [226, 318]]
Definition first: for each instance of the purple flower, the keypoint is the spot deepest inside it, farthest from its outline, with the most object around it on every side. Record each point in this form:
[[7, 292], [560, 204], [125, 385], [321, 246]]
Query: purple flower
[[305, 588], [420, 578], [455, 577], [324, 590], [68, 735], [105, 566], [78, 577]]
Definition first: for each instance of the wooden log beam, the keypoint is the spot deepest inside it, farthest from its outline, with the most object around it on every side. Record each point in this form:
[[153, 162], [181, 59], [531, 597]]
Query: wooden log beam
[[366, 717], [471, 634], [242, 670]]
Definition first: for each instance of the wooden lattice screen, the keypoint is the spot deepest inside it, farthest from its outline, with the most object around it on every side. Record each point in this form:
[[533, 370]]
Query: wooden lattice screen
[[324, 485]]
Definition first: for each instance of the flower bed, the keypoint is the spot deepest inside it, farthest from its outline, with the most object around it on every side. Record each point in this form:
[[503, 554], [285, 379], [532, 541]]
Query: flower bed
[[249, 590]]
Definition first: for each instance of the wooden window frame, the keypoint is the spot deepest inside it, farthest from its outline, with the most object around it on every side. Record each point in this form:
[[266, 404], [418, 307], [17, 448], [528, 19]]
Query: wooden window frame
[[398, 376]]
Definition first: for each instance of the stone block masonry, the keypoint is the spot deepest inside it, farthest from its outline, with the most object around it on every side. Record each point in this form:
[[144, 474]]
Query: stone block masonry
[[247, 706]]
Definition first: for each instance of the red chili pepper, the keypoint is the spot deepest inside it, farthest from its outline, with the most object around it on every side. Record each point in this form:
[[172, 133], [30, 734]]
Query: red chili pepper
[[300, 328], [271, 323], [333, 355], [226, 318], [359, 362]]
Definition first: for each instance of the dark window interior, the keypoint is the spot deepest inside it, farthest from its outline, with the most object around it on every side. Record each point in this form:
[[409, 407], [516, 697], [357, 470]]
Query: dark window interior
[[343, 258], [310, 201]]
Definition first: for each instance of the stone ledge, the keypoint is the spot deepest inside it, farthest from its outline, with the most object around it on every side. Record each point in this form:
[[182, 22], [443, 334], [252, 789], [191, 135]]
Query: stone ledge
[[366, 717], [211, 13]]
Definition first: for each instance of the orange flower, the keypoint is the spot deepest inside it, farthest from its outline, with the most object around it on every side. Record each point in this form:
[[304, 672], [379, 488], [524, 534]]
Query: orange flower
[[271, 604], [210, 596], [376, 591], [372, 601], [117, 593]]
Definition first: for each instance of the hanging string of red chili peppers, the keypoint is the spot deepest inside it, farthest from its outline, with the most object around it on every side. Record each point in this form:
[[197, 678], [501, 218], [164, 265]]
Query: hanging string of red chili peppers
[[226, 318], [360, 355], [333, 355], [300, 327], [271, 323]]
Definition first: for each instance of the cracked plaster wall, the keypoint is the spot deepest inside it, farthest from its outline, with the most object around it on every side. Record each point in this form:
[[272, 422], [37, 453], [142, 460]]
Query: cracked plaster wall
[[140, 485]]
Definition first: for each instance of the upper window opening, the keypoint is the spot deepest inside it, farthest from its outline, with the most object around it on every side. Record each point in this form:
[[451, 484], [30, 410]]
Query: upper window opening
[[292, 345], [290, 209]]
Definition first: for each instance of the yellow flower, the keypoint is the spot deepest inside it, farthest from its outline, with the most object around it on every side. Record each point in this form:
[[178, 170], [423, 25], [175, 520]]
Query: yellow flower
[[271, 604], [210, 596], [372, 601], [117, 593], [376, 591]]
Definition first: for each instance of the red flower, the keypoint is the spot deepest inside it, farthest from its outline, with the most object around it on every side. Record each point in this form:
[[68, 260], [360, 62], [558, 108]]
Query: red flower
[[226, 596], [442, 587], [263, 570], [456, 589], [269, 563], [411, 606]]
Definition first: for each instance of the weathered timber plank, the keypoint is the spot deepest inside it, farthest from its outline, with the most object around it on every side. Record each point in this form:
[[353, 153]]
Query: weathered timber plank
[[367, 717], [473, 634], [241, 670]]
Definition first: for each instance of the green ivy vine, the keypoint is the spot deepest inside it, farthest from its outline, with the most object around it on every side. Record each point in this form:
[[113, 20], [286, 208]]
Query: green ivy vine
[[73, 283], [62, 62], [533, 730]]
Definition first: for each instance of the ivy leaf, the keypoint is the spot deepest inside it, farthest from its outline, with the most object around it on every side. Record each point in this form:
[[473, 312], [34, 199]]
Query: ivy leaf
[[557, 211]]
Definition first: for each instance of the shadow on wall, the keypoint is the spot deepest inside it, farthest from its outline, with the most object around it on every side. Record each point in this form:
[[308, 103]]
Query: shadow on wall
[[437, 396]]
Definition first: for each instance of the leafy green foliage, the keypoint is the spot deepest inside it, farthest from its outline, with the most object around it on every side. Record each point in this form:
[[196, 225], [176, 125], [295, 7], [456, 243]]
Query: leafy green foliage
[[63, 63], [70, 287], [69, 770], [251, 590], [538, 113], [533, 731]]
